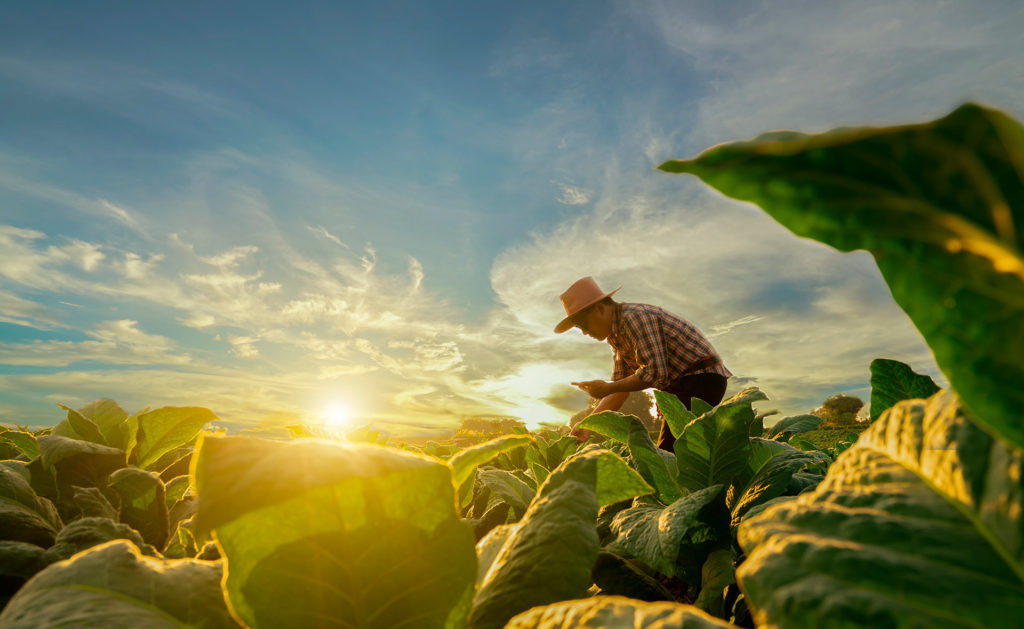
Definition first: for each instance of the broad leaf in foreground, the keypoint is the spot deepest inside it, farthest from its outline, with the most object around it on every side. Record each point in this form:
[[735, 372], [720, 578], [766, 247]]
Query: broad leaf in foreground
[[657, 535], [714, 447], [549, 555], [615, 612], [941, 208], [673, 412], [647, 457], [917, 525], [323, 534], [113, 586], [893, 381], [24, 516]]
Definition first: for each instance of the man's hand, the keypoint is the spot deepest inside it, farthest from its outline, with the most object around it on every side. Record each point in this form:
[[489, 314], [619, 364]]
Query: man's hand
[[581, 434], [595, 388]]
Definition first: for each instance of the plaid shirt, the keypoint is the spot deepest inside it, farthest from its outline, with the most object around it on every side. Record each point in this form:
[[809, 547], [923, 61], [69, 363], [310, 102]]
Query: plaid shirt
[[657, 346]]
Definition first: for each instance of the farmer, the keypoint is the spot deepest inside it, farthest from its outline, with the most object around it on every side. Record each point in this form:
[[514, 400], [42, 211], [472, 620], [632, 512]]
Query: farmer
[[653, 349]]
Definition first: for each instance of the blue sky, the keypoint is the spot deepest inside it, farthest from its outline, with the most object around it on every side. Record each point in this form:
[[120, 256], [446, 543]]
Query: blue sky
[[276, 210]]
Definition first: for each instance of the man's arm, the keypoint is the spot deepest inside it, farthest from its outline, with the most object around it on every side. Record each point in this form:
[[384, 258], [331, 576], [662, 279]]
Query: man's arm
[[613, 395], [602, 388]]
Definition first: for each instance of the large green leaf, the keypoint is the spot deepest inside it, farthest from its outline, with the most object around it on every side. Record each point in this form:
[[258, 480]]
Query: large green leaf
[[941, 208], [673, 411], [87, 532], [618, 575], [71, 463], [657, 535], [893, 381], [793, 425], [718, 573], [917, 525], [316, 533], [23, 515], [81, 427], [615, 612], [549, 555], [25, 442], [772, 478], [167, 428], [113, 586], [108, 417], [466, 461], [647, 457], [93, 504], [143, 503], [508, 487], [19, 561], [714, 447]]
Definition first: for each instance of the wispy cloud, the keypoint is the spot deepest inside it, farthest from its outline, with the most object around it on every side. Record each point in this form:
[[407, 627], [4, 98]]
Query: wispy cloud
[[572, 195], [118, 343]]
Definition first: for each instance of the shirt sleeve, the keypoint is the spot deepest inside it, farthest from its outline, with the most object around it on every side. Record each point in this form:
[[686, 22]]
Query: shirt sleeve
[[620, 369], [645, 332]]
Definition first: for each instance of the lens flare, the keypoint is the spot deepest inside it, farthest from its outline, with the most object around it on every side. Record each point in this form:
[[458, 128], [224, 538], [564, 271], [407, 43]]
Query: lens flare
[[336, 417]]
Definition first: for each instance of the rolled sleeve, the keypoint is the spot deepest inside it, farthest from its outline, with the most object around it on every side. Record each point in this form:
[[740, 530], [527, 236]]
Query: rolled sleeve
[[647, 338]]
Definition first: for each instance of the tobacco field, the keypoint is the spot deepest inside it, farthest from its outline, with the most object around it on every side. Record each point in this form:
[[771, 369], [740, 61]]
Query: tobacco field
[[151, 519]]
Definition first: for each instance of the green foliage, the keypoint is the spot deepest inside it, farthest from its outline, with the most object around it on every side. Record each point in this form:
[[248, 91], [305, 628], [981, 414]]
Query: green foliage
[[384, 520], [786, 427], [918, 524], [657, 467], [614, 612], [712, 448], [893, 381], [488, 426], [918, 521], [25, 443], [637, 403], [114, 586], [549, 555], [939, 205], [676, 415], [659, 535]]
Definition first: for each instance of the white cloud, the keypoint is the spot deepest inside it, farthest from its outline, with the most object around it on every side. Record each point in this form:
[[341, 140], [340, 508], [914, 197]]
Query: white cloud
[[118, 343], [321, 231], [572, 195], [244, 346], [19, 311], [133, 267], [725, 328], [814, 66]]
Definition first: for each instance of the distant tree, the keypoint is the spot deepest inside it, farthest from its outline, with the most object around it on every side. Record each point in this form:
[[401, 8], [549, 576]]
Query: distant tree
[[839, 410], [638, 404]]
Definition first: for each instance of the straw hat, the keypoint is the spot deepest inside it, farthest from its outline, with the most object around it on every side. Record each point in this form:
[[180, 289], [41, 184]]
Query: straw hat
[[580, 296]]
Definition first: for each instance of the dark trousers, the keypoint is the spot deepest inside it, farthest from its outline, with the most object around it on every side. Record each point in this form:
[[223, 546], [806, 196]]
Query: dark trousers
[[709, 387]]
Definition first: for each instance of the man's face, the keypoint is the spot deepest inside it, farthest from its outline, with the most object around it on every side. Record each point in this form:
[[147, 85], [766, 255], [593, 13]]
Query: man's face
[[595, 321]]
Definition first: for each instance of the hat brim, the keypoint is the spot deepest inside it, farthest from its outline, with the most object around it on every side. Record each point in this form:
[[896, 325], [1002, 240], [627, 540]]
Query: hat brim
[[567, 324]]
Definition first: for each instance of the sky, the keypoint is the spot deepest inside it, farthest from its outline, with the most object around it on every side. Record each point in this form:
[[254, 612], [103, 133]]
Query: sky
[[294, 213]]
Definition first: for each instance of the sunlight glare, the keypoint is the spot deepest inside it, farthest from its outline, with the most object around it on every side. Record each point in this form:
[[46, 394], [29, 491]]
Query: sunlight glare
[[336, 417]]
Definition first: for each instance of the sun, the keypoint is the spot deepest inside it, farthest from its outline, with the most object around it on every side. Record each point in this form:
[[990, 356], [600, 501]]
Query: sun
[[336, 417]]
